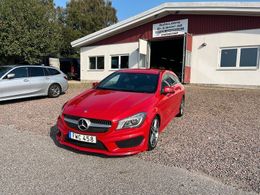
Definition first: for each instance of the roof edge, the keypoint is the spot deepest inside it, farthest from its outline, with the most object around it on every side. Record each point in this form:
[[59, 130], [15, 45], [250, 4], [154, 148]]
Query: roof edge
[[242, 7]]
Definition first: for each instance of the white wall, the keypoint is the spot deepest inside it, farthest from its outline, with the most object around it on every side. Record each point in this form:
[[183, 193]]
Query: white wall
[[130, 49], [205, 60]]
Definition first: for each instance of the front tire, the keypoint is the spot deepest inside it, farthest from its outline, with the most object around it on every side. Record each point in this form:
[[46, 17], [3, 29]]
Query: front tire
[[154, 134], [54, 91]]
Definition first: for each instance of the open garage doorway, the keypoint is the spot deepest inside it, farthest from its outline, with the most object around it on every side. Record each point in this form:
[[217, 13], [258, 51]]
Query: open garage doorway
[[168, 54]]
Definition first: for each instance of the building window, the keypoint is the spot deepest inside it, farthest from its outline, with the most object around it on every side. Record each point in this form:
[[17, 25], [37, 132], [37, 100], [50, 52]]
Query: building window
[[96, 63], [120, 62], [248, 57], [239, 58], [228, 58]]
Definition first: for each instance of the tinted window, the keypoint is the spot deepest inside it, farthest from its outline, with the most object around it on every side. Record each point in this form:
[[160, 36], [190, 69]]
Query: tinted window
[[51, 71], [35, 72], [19, 72], [4, 70], [168, 80], [248, 57], [228, 58], [175, 78], [132, 82]]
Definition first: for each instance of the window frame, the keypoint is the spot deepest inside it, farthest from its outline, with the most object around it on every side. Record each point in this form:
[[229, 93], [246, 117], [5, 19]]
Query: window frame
[[15, 68], [164, 76], [238, 67], [29, 73], [47, 72], [96, 61], [119, 61]]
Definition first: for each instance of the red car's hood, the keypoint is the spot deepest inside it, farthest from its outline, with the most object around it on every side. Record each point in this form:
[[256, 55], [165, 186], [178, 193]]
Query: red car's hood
[[106, 104]]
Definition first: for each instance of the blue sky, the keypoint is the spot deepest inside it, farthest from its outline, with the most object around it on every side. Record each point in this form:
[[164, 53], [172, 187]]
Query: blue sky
[[128, 8]]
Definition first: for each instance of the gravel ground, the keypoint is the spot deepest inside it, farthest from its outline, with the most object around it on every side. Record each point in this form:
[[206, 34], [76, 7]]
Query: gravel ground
[[219, 135], [34, 165]]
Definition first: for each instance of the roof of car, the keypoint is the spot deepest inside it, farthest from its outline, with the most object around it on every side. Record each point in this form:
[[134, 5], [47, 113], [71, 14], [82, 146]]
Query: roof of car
[[144, 71], [14, 66]]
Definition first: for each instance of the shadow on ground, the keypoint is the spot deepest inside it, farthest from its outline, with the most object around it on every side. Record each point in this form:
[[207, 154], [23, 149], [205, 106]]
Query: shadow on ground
[[25, 99]]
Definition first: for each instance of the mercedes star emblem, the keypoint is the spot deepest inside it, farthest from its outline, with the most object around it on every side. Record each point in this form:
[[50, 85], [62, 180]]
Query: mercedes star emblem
[[83, 124]]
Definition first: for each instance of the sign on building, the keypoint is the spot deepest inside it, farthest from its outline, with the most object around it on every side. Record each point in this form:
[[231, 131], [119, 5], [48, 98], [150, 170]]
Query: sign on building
[[171, 28]]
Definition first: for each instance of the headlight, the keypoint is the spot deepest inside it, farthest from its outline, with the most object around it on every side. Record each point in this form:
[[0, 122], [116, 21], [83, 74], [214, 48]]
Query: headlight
[[132, 122]]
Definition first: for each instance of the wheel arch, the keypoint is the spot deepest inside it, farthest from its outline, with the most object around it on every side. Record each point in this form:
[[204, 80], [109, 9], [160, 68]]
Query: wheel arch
[[54, 83]]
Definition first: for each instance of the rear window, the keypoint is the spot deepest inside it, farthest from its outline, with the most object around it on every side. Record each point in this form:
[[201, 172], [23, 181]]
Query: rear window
[[51, 71], [35, 72]]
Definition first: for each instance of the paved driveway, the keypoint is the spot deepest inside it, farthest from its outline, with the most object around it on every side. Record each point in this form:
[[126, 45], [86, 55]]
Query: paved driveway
[[33, 164]]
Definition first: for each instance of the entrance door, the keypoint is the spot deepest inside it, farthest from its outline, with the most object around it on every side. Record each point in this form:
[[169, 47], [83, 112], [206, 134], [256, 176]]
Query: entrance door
[[144, 54], [187, 58], [168, 54]]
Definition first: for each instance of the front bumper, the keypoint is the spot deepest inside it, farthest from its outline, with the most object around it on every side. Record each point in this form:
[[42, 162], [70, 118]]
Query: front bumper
[[112, 143]]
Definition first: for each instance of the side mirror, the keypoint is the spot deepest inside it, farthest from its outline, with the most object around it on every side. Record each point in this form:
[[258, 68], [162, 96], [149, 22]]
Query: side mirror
[[95, 84], [167, 90], [10, 76]]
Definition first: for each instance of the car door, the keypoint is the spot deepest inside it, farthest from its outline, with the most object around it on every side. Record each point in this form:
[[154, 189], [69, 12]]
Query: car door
[[166, 100], [16, 86], [38, 81], [177, 96]]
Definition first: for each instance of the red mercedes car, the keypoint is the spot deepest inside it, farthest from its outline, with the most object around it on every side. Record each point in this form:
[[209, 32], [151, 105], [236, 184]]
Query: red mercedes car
[[123, 114]]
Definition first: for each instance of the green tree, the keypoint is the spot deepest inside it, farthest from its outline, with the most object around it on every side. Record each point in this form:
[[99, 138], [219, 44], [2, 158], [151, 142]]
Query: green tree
[[82, 17], [28, 31]]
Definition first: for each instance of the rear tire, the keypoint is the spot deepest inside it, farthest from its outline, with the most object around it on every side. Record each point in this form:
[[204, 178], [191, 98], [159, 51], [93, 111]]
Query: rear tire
[[54, 91], [181, 110], [154, 133]]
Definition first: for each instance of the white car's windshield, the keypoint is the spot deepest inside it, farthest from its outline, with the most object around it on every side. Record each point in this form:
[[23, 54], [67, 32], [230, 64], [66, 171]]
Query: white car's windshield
[[3, 70], [131, 82]]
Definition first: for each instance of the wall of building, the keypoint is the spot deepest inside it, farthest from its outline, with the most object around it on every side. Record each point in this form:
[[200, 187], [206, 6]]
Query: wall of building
[[198, 24], [107, 51], [205, 60]]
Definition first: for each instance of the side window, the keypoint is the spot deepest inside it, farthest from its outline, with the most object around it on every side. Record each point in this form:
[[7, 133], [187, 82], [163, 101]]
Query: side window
[[19, 72], [35, 72], [46, 72], [51, 71], [175, 79], [165, 81], [169, 80]]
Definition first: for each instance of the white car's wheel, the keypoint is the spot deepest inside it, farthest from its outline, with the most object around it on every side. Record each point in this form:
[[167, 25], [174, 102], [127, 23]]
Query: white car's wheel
[[54, 91]]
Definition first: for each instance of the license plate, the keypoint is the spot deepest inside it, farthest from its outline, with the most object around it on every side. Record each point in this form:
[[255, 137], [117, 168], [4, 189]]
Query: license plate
[[83, 138]]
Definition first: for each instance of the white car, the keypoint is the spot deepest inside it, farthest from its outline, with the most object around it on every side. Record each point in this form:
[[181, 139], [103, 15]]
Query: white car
[[30, 81]]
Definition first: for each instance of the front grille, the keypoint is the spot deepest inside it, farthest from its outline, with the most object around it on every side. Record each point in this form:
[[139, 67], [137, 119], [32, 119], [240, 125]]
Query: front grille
[[97, 125], [99, 145]]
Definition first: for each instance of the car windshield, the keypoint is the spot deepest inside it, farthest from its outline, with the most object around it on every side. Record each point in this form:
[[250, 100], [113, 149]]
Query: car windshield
[[131, 82], [3, 70]]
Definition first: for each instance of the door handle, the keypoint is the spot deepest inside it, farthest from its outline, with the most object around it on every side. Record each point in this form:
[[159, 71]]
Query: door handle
[[26, 80]]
